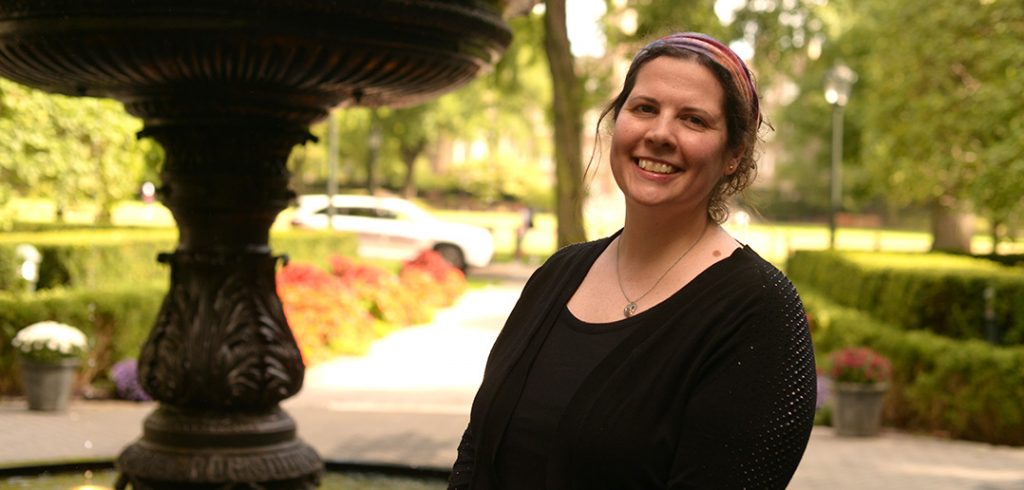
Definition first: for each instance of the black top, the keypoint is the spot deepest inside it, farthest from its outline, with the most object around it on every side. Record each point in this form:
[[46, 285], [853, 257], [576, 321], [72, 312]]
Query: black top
[[569, 353], [713, 388]]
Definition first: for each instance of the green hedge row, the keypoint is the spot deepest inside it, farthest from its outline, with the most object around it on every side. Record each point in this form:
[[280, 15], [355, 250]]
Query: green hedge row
[[101, 258], [967, 389], [941, 293], [116, 321]]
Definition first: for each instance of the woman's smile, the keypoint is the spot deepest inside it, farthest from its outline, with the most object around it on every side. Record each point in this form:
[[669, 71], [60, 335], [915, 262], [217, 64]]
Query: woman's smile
[[656, 167]]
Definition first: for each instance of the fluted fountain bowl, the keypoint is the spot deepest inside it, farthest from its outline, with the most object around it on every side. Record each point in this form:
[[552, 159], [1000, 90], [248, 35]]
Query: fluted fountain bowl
[[301, 55]]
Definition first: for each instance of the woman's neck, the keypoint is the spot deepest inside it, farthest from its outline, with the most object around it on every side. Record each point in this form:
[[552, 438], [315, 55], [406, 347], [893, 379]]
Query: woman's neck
[[652, 237]]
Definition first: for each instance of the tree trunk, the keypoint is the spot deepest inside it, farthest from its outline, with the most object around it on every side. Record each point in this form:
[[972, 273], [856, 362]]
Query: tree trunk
[[409, 156], [952, 226], [372, 154], [104, 200], [568, 123]]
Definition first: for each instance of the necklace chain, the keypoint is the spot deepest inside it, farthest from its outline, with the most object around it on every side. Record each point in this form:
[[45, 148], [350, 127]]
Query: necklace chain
[[630, 308]]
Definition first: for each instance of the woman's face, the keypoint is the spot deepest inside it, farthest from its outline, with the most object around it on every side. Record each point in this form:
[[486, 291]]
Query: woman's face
[[669, 144]]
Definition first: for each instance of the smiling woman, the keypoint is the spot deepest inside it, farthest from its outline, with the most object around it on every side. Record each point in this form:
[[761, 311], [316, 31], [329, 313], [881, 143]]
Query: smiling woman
[[668, 355]]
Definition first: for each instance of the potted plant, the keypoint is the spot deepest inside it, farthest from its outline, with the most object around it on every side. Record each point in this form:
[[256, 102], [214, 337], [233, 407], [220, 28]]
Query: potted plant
[[860, 379], [49, 354]]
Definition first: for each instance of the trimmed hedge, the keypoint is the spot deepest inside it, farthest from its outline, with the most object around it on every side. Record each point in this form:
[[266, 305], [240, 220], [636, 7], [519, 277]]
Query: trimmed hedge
[[102, 258], [109, 284], [10, 278], [941, 293], [965, 389], [116, 321]]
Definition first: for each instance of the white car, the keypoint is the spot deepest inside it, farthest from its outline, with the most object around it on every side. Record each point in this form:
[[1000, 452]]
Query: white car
[[396, 229]]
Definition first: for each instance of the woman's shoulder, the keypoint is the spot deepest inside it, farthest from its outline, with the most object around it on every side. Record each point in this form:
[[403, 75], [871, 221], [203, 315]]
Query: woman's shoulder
[[749, 273], [577, 252]]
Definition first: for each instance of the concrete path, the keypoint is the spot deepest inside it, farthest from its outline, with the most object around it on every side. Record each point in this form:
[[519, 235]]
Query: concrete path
[[407, 403]]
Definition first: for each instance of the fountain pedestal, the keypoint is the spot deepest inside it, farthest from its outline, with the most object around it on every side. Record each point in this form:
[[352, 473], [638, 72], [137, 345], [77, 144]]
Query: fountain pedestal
[[228, 87]]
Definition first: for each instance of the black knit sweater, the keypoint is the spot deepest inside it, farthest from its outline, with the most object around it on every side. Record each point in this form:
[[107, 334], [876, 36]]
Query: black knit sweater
[[715, 388]]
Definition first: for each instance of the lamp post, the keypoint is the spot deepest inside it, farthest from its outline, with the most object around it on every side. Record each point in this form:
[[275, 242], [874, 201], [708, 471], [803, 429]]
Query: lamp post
[[838, 82]]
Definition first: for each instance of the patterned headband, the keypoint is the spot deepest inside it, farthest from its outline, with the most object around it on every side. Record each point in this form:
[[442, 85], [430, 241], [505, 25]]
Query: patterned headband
[[719, 54]]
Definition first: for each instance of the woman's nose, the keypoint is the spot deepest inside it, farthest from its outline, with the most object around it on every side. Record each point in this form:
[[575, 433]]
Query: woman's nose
[[659, 133]]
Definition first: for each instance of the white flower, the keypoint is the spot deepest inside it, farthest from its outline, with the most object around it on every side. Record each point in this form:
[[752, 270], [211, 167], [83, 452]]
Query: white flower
[[51, 336]]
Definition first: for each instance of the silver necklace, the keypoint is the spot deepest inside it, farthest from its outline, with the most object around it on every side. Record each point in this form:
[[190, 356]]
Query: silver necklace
[[630, 308]]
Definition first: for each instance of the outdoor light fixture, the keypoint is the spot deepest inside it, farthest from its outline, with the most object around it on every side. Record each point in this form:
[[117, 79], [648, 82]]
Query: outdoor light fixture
[[838, 82]]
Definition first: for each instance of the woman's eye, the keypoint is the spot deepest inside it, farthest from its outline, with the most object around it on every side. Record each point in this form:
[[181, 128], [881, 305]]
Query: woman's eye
[[644, 109], [695, 120]]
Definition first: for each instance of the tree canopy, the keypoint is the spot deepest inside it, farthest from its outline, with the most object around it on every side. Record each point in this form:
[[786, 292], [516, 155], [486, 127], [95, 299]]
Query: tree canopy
[[70, 149]]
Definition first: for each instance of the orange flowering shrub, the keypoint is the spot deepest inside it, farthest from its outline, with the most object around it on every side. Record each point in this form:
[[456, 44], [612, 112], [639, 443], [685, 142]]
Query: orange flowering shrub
[[383, 295], [344, 310], [325, 319], [433, 278]]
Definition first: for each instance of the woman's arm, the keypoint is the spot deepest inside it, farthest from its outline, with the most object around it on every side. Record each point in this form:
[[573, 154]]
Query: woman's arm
[[748, 423], [462, 470]]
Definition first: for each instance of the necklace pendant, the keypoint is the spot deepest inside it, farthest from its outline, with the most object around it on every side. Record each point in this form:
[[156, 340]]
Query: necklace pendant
[[629, 310]]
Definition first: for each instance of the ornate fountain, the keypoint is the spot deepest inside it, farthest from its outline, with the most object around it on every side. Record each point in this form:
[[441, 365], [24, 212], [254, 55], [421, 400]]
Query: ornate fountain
[[228, 87]]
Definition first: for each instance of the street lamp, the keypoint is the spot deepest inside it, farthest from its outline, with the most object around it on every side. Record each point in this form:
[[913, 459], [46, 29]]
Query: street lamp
[[838, 82]]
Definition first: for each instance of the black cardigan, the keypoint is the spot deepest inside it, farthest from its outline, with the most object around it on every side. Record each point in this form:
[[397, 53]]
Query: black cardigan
[[721, 395]]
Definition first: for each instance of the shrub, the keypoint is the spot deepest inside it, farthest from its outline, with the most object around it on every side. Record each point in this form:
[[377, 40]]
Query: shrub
[[433, 278], [109, 257], [125, 375], [344, 310], [325, 320], [10, 279], [117, 322], [964, 388], [941, 293]]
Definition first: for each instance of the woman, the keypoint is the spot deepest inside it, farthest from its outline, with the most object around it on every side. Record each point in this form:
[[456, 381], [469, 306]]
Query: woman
[[667, 355]]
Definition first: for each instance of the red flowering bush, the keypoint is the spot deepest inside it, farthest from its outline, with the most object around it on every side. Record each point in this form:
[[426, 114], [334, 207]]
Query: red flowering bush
[[325, 319], [344, 310], [433, 278], [860, 365], [383, 295]]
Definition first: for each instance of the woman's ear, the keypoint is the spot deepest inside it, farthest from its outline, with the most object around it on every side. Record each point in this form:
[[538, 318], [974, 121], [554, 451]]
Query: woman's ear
[[734, 161]]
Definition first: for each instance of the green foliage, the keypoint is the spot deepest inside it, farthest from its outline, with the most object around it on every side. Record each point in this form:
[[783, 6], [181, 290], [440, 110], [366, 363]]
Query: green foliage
[[312, 246], [655, 19], [116, 321], [10, 278], [70, 149], [107, 257], [505, 109], [964, 388], [937, 118], [942, 293]]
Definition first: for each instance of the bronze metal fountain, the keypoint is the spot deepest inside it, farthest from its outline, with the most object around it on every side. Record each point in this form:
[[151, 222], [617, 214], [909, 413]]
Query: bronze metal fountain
[[228, 88]]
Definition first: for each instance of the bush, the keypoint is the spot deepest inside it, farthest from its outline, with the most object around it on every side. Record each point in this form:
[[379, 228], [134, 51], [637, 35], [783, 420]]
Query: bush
[[941, 293], [962, 388], [325, 320], [433, 278], [10, 279], [343, 311], [109, 257], [125, 376], [116, 322]]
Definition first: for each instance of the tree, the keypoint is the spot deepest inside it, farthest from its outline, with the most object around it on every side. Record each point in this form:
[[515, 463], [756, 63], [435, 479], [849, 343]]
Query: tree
[[70, 149], [567, 114], [942, 119]]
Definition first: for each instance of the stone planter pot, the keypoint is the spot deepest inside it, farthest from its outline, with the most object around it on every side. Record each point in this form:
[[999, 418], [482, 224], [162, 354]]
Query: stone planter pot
[[858, 408], [48, 385]]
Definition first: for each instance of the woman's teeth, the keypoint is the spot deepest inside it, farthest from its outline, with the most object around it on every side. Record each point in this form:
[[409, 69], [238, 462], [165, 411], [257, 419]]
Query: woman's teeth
[[658, 168]]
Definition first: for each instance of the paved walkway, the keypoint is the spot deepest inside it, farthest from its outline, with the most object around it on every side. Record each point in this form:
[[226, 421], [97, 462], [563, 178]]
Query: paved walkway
[[407, 403]]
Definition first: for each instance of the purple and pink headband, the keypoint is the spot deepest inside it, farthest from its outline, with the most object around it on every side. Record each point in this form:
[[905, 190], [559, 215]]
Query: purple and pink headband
[[720, 54]]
